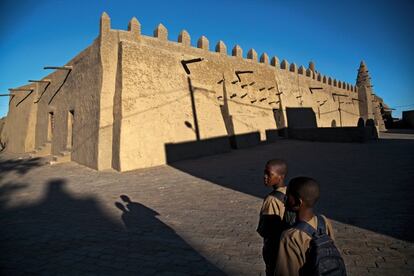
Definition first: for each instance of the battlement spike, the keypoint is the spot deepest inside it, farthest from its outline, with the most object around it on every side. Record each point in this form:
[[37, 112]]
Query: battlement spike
[[252, 54], [161, 32], [134, 26], [203, 43], [264, 58], [237, 51], [221, 47], [184, 38], [284, 65]]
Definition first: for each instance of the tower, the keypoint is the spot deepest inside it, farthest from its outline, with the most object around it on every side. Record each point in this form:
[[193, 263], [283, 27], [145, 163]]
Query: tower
[[365, 93]]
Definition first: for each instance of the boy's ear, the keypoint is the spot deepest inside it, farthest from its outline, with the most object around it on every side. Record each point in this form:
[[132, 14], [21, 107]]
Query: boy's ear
[[300, 202]]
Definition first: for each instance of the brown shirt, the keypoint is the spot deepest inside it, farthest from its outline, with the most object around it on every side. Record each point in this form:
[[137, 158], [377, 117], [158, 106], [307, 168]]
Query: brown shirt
[[292, 249], [272, 205]]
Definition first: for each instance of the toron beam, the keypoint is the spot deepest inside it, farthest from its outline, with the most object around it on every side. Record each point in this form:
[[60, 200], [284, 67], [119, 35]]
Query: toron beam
[[11, 98], [69, 70], [58, 67], [253, 101], [31, 91], [234, 82], [270, 88], [280, 93], [244, 95], [314, 88], [253, 82], [232, 96], [244, 85], [19, 90], [238, 73], [261, 89], [48, 81], [44, 90], [40, 81], [185, 62], [262, 99], [340, 95]]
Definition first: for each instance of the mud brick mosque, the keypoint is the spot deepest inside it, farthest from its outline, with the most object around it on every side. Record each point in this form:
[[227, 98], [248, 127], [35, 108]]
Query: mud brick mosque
[[130, 101]]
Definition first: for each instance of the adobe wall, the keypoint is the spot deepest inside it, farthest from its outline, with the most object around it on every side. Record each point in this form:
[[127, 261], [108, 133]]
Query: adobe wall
[[19, 126], [80, 94], [27, 124], [153, 95]]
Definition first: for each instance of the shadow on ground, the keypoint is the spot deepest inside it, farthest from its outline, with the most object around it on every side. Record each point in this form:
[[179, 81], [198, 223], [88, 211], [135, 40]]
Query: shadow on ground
[[18, 166], [64, 234], [367, 185]]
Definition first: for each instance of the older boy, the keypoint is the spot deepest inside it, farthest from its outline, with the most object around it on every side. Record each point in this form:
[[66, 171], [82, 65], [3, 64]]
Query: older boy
[[272, 211], [302, 195]]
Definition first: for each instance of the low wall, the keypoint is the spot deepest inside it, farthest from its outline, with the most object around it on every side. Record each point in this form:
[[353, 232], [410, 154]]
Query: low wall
[[333, 134]]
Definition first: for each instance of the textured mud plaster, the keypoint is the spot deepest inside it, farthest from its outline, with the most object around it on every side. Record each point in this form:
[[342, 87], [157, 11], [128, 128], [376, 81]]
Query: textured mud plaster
[[80, 94], [18, 131], [156, 106]]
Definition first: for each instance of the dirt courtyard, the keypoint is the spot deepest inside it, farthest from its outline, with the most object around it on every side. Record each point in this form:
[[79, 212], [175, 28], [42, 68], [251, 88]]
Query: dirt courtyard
[[199, 216]]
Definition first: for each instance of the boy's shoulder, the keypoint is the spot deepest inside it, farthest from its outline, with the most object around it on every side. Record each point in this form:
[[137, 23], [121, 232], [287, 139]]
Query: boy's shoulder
[[274, 203], [276, 193], [299, 237]]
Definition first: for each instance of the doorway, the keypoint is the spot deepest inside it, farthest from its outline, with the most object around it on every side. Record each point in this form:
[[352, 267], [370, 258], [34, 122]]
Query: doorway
[[71, 115], [50, 126]]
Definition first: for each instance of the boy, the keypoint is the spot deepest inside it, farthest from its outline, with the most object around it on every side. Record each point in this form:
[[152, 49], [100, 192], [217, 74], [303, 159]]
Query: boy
[[302, 195], [272, 211]]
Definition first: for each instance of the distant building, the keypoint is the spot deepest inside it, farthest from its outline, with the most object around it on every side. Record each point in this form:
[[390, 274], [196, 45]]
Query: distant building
[[408, 118]]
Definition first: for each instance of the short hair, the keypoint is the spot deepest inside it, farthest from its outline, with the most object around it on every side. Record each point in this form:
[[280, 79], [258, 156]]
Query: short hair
[[279, 165], [305, 188]]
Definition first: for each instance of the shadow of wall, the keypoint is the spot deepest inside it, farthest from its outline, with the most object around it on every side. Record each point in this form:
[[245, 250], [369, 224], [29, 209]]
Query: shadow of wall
[[353, 190], [64, 234], [301, 117]]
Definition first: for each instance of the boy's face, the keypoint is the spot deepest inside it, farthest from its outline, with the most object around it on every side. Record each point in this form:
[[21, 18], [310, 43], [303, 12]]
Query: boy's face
[[272, 176]]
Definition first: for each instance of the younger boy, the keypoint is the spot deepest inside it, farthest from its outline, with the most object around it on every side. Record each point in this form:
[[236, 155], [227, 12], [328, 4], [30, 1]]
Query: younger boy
[[272, 211], [302, 195]]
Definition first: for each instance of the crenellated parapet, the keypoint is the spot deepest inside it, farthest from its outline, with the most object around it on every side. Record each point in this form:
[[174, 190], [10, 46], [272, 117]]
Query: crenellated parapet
[[161, 33]]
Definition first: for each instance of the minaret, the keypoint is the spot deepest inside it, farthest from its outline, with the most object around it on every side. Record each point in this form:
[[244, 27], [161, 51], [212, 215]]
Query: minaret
[[364, 88]]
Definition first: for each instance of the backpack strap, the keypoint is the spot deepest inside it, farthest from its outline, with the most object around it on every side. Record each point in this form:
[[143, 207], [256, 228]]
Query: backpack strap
[[305, 227], [308, 229], [321, 225], [279, 195]]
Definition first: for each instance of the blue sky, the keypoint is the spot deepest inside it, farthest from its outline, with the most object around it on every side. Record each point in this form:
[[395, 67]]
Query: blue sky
[[336, 35]]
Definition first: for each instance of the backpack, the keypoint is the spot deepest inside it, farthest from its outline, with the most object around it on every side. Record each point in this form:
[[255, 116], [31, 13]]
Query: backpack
[[322, 257]]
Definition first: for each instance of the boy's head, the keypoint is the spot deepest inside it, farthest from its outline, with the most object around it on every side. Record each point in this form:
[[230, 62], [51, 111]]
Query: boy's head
[[302, 193], [275, 172]]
